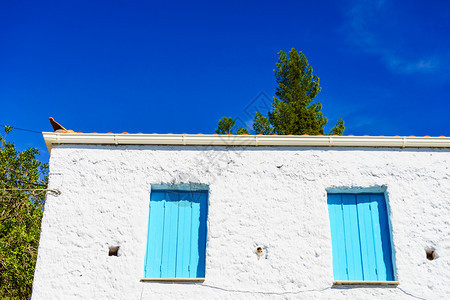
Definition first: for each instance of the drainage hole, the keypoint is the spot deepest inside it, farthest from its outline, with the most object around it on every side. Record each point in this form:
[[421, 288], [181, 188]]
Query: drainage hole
[[113, 250], [431, 254]]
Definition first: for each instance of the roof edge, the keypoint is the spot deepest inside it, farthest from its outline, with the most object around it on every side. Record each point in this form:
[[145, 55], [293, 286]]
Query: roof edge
[[53, 138]]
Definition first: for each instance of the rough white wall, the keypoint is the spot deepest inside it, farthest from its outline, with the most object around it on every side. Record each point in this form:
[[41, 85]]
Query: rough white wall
[[274, 197]]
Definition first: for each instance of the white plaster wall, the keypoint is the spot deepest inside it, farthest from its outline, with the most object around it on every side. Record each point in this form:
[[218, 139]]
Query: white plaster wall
[[274, 197]]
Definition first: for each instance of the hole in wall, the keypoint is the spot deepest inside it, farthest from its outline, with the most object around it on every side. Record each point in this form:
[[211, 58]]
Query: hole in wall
[[431, 254], [113, 251], [261, 252]]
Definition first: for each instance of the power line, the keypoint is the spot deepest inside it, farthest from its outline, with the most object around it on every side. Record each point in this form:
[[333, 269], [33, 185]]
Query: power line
[[29, 130]]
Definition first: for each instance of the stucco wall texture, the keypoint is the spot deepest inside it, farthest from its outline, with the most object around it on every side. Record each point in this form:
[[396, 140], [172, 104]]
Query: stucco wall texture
[[271, 197]]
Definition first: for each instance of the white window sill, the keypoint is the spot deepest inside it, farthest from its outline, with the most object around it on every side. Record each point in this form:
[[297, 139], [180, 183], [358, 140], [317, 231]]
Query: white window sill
[[174, 279], [350, 282]]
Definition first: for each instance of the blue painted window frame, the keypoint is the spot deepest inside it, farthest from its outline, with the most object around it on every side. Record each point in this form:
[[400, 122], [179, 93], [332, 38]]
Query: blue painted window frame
[[177, 233], [361, 237]]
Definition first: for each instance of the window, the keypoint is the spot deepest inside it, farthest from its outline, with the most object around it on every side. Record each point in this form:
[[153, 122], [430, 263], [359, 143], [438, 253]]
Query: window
[[176, 242], [360, 237]]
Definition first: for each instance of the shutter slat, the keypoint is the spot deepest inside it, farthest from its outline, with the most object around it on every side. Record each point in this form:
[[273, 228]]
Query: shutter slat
[[169, 249], [351, 232], [195, 226], [382, 238], [155, 236], [366, 237], [184, 235], [337, 237], [203, 198]]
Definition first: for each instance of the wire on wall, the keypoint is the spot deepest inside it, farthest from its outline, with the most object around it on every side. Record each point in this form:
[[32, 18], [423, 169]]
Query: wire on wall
[[54, 192]]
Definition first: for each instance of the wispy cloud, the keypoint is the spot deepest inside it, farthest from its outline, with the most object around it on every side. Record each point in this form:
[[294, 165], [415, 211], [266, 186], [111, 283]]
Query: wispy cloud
[[397, 63], [367, 28]]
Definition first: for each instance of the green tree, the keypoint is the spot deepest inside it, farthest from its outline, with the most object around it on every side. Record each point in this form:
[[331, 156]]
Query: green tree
[[338, 129], [23, 180], [261, 124], [225, 125], [241, 131], [293, 109]]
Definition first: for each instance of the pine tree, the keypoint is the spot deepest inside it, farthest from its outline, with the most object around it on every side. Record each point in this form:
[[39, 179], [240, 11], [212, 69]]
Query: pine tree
[[225, 125], [261, 124], [293, 109]]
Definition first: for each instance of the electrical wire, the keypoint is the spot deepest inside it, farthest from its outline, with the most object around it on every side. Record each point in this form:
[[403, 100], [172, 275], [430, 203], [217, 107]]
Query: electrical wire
[[264, 293], [29, 130], [411, 295], [283, 293]]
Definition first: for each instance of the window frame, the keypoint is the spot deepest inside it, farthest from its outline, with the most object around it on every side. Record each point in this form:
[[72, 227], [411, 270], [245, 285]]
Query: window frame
[[379, 191], [203, 205]]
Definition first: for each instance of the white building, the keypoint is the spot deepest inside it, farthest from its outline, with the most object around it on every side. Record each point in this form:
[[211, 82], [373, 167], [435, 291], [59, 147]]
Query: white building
[[232, 217]]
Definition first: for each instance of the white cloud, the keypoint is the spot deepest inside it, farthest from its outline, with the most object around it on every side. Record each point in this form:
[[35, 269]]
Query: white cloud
[[364, 19]]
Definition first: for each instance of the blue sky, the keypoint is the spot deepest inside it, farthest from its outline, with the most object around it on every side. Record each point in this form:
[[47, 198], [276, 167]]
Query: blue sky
[[168, 66]]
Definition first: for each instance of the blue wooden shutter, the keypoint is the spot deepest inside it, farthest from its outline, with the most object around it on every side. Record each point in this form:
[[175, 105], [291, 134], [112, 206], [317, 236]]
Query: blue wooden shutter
[[176, 244], [360, 237]]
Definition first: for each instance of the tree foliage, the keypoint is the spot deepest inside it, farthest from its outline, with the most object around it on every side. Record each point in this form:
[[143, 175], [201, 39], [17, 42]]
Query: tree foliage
[[242, 130], [226, 125], [23, 180], [261, 124], [293, 108]]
